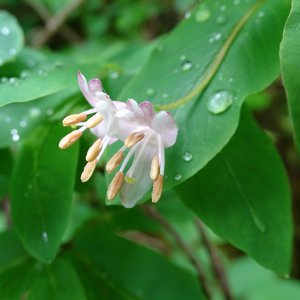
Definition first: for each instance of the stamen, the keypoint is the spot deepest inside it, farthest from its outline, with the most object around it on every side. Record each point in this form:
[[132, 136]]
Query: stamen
[[94, 151], [154, 171], [69, 139], [115, 186], [94, 121], [88, 170], [127, 158], [161, 155], [132, 139], [104, 145], [73, 119], [157, 188], [114, 161]]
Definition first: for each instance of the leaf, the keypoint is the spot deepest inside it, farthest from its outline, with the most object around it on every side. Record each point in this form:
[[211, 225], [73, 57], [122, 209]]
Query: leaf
[[11, 37], [5, 170], [243, 195], [290, 65], [230, 47], [58, 281], [127, 270], [41, 192]]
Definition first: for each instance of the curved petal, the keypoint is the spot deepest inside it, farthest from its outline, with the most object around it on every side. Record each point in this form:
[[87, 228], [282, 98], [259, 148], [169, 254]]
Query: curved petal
[[132, 192], [132, 105], [164, 124], [148, 111]]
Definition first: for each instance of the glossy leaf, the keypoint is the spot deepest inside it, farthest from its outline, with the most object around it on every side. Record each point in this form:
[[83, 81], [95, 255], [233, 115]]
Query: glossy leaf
[[5, 170], [290, 64], [130, 271], [11, 37], [41, 194], [206, 56], [243, 195]]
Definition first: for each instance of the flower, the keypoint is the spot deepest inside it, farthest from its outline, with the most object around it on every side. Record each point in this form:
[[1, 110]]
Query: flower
[[145, 135]]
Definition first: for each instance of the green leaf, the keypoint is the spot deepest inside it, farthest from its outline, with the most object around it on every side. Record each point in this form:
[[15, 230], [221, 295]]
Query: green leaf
[[230, 48], [11, 37], [127, 270], [290, 65], [243, 195], [58, 281], [41, 192], [5, 170]]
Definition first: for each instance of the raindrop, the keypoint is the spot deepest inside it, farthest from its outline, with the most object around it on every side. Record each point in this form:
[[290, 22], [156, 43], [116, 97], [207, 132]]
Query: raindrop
[[12, 51], [187, 156], [182, 57], [24, 74], [14, 131], [114, 75], [49, 112], [14, 135], [186, 65], [34, 112], [231, 79], [150, 92], [13, 80], [223, 7], [165, 95], [261, 14], [5, 30], [221, 19], [42, 73], [45, 236], [7, 119], [236, 2], [187, 15], [202, 15], [219, 102], [177, 176], [23, 124], [215, 36]]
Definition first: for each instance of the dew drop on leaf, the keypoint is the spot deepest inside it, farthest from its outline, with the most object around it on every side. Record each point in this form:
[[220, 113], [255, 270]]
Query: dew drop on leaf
[[151, 92], [215, 36], [24, 74], [15, 135], [236, 2], [182, 57], [34, 112], [177, 177], [187, 15], [219, 102], [12, 51], [23, 123], [165, 95], [223, 7], [114, 75], [202, 15], [186, 65], [45, 236], [5, 31], [221, 19], [187, 156]]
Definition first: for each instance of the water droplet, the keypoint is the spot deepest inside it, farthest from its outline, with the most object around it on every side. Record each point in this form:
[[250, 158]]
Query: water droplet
[[231, 79], [202, 15], [261, 14], [223, 7], [42, 73], [15, 135], [114, 75], [4, 80], [215, 36], [5, 30], [23, 123], [49, 112], [182, 57], [45, 236], [236, 2], [13, 81], [165, 95], [7, 119], [12, 51], [24, 74], [186, 65], [187, 15], [221, 19], [177, 176], [151, 92], [187, 156], [34, 112], [219, 102]]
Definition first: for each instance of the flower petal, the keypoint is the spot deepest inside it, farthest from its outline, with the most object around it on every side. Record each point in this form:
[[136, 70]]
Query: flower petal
[[164, 124], [148, 111], [132, 192], [132, 105]]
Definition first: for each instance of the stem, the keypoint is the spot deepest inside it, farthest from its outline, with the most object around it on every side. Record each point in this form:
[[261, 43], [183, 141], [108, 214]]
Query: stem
[[155, 215], [215, 261]]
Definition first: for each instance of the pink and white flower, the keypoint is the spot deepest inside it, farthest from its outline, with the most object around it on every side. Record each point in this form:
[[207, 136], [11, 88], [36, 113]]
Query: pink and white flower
[[145, 135]]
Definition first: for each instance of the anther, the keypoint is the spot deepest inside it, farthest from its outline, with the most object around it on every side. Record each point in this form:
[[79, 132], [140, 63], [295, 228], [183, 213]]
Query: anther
[[115, 186], [94, 121], [94, 151], [88, 170], [69, 139], [73, 119], [132, 139], [154, 171], [157, 188], [114, 161]]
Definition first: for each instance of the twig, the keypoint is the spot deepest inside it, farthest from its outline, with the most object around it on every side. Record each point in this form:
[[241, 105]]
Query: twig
[[154, 214], [55, 22], [215, 261], [66, 31]]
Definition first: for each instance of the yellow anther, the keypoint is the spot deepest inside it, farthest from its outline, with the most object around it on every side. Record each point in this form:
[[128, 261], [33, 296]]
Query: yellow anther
[[114, 161], [115, 186], [88, 170], [69, 139], [157, 188], [94, 121], [73, 119], [94, 151], [154, 171], [132, 139]]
